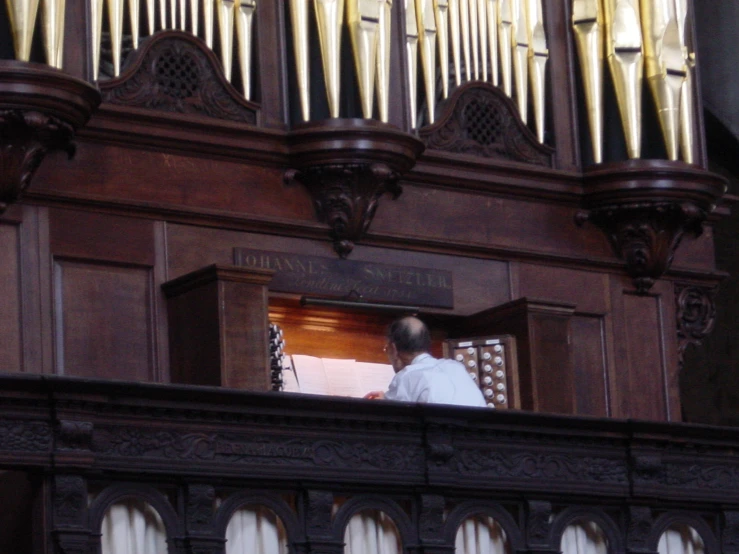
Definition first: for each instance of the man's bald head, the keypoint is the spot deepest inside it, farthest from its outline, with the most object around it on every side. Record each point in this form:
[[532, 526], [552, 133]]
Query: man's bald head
[[409, 335]]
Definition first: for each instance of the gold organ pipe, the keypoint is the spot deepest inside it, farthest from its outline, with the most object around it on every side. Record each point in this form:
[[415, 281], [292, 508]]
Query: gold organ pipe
[[427, 37], [587, 21], [482, 21], [208, 21], [52, 26], [22, 14], [299, 19], [411, 53], [474, 39], [454, 31], [226, 10], [244, 24], [624, 55], [134, 14], [520, 56], [183, 15], [464, 17], [163, 14], [687, 98], [505, 40], [150, 15], [441, 13], [329, 16], [687, 116], [538, 56], [664, 64], [115, 20], [384, 42], [363, 18], [492, 13], [172, 14], [194, 16], [96, 31]]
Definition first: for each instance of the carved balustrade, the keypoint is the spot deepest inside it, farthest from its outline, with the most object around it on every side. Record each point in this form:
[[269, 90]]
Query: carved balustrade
[[90, 444]]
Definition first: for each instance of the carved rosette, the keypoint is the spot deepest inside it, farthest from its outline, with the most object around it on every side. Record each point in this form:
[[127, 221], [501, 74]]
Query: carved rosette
[[645, 208], [696, 314], [347, 165], [40, 110]]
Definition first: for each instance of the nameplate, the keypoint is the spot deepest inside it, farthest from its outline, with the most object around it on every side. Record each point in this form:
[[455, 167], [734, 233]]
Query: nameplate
[[336, 278]]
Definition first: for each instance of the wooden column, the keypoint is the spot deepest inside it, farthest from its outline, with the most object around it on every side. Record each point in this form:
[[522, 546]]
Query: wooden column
[[542, 331], [218, 327]]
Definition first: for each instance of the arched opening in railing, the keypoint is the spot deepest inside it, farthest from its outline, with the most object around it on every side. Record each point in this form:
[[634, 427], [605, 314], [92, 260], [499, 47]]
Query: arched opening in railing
[[481, 534]]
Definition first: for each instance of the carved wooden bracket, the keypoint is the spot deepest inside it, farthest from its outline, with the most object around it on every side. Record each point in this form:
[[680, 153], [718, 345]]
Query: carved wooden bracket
[[347, 165], [40, 110], [645, 207]]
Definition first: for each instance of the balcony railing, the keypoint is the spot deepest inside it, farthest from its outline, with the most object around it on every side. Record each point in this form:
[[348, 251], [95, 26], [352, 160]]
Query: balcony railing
[[196, 455]]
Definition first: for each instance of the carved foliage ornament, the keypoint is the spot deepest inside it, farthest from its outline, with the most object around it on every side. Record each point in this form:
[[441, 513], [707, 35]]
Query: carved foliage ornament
[[175, 72], [696, 314], [646, 235], [345, 197], [25, 138], [480, 120]]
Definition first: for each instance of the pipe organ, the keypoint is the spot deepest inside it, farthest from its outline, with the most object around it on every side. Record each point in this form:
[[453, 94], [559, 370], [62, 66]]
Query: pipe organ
[[446, 43]]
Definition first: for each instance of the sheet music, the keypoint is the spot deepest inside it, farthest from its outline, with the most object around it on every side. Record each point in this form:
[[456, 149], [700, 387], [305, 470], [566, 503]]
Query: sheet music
[[342, 377], [311, 375], [373, 377], [336, 377]]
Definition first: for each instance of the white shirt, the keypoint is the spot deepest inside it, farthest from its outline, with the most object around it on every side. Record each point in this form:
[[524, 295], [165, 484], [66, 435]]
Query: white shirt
[[427, 379]]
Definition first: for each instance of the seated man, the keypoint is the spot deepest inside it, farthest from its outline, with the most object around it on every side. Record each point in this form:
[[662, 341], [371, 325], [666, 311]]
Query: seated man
[[419, 377]]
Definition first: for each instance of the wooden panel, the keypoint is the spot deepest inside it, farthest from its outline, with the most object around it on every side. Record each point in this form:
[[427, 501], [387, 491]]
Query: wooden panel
[[10, 308], [554, 388], [101, 236], [642, 368], [586, 289], [589, 365], [103, 321]]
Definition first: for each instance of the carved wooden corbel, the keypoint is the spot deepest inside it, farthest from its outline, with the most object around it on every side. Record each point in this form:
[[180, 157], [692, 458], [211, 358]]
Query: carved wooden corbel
[[645, 207], [40, 110], [347, 165]]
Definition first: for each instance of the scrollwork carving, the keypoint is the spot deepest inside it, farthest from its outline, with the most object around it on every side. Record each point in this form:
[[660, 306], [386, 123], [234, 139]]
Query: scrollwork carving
[[639, 529], [70, 501], [730, 533], [696, 315], [345, 197], [175, 72], [25, 436], [646, 235], [480, 120], [558, 467], [199, 514], [538, 523]]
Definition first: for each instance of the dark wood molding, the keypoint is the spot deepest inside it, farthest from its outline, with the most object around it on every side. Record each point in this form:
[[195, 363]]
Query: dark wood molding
[[40, 110], [480, 120], [645, 207], [347, 165]]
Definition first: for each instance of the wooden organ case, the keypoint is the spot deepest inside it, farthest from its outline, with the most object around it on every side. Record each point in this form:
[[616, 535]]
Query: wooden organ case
[[389, 133]]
